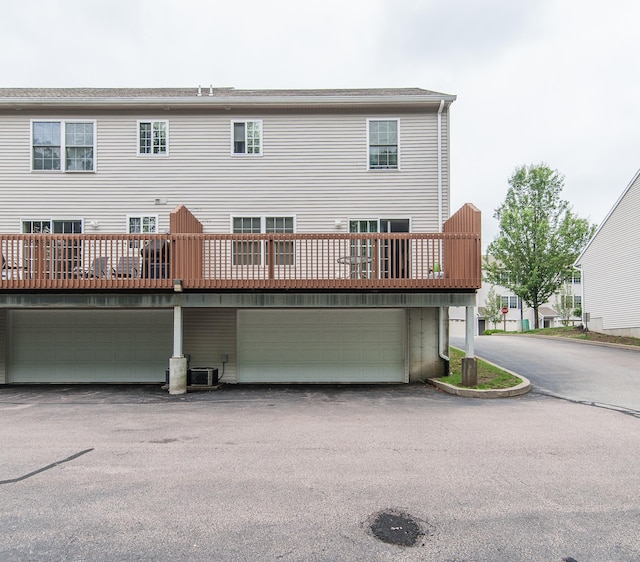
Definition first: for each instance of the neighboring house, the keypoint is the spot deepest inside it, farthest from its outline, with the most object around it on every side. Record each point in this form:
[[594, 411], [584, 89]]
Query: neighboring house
[[518, 313], [279, 236], [610, 265]]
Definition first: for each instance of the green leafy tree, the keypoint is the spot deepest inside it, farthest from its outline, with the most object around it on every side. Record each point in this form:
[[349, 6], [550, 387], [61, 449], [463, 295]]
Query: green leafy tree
[[539, 237], [493, 307], [564, 304]]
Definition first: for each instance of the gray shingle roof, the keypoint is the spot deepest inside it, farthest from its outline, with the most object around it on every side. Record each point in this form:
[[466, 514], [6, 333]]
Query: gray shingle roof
[[170, 93]]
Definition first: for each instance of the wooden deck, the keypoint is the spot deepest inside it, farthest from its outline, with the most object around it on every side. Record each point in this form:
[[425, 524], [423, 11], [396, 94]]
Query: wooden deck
[[447, 260]]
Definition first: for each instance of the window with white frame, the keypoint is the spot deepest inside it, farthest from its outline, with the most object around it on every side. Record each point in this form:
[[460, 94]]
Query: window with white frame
[[67, 146], [250, 252], [247, 137], [510, 301], [49, 226], [383, 144], [571, 301], [142, 224], [153, 138]]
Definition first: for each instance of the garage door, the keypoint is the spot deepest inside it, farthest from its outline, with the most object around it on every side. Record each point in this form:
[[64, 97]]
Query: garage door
[[78, 346], [363, 346]]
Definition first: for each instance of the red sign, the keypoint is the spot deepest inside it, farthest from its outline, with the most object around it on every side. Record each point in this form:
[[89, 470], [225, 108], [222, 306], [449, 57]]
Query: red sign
[[504, 310]]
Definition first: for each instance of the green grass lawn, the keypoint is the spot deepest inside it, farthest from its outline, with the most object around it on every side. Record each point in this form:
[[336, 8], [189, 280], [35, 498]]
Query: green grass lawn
[[489, 377]]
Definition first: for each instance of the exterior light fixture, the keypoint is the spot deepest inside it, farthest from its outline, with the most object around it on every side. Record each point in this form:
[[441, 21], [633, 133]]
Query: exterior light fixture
[[177, 285]]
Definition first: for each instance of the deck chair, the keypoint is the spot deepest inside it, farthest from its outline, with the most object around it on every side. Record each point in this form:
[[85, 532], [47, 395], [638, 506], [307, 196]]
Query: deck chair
[[127, 267], [100, 268]]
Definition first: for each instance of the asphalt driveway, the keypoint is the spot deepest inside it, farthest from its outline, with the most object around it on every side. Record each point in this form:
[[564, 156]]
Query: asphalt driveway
[[607, 376], [300, 473]]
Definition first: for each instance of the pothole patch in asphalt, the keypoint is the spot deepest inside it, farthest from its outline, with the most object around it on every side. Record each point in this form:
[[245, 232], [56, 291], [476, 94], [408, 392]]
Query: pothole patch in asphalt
[[396, 527]]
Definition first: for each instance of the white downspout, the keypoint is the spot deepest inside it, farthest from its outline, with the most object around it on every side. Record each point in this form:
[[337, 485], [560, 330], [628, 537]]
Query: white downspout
[[441, 349], [440, 204]]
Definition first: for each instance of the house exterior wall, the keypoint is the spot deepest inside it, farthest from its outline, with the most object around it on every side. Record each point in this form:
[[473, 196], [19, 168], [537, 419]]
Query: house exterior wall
[[3, 338], [313, 167], [611, 268], [207, 335], [514, 316]]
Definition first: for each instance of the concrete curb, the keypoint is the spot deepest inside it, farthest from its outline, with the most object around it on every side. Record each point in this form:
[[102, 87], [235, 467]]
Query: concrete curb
[[518, 390], [583, 342]]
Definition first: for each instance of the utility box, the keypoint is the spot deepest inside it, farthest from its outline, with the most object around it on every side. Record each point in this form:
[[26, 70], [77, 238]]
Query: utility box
[[200, 376]]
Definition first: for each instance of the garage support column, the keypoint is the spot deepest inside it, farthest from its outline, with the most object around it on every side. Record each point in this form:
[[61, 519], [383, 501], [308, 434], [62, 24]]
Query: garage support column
[[177, 363], [469, 362]]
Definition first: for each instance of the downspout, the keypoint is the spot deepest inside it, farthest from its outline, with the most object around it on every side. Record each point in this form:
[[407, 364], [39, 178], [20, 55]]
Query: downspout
[[441, 344], [440, 204]]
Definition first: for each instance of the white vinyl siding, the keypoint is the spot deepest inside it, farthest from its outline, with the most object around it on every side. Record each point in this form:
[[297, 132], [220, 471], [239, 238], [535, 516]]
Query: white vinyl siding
[[610, 266], [315, 169], [207, 335]]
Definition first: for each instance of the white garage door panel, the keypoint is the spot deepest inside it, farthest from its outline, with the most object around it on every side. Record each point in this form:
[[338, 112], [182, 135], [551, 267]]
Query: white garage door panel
[[321, 346], [90, 345]]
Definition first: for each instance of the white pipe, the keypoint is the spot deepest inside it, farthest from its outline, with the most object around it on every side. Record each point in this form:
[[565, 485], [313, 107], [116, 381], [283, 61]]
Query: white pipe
[[440, 204], [441, 350]]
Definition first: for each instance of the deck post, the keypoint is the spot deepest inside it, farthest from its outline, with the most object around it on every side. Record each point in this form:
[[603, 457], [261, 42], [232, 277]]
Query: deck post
[[469, 362], [178, 362]]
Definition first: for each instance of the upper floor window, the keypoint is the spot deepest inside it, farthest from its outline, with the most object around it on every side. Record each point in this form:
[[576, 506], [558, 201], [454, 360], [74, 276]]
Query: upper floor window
[[383, 144], [63, 146], [153, 138], [142, 224], [510, 301], [247, 137]]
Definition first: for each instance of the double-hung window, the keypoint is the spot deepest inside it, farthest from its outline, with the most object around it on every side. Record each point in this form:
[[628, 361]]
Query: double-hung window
[[511, 301], [246, 252], [250, 252], [142, 224], [153, 138], [67, 146], [247, 137], [383, 144]]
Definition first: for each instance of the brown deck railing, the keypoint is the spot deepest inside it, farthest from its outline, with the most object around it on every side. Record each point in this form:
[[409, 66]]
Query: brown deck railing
[[448, 260]]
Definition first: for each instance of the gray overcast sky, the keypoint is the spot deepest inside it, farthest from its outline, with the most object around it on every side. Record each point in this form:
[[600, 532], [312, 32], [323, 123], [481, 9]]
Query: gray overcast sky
[[554, 81]]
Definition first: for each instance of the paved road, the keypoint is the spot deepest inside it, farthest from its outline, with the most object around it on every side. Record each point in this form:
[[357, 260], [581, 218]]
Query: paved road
[[296, 474], [571, 370]]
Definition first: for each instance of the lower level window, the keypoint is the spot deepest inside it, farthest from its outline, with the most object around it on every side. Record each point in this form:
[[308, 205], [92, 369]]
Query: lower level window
[[250, 252], [142, 224], [49, 226]]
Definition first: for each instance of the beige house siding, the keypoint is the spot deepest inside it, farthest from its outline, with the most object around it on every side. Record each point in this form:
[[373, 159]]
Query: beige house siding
[[209, 333], [313, 166], [611, 267]]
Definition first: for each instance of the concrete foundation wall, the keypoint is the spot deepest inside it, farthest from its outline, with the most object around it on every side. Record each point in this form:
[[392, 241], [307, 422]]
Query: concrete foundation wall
[[595, 325], [424, 359]]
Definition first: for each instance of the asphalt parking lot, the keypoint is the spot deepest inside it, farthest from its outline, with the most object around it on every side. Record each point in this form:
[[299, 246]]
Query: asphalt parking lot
[[303, 472]]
